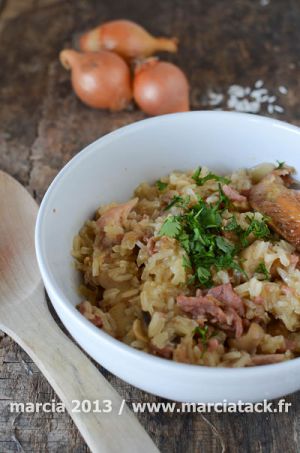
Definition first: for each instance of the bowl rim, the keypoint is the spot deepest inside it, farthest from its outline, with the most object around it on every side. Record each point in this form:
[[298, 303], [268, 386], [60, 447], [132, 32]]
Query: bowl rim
[[99, 334]]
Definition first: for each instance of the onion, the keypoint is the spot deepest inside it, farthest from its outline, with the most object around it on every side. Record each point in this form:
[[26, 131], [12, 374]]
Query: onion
[[126, 38], [100, 79], [160, 87]]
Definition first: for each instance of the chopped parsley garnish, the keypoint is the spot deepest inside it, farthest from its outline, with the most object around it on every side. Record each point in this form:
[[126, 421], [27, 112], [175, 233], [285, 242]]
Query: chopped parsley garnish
[[224, 201], [161, 185], [171, 227], [258, 228], [232, 225], [224, 245], [280, 165], [178, 201], [200, 232], [186, 262], [261, 269], [210, 176], [201, 332]]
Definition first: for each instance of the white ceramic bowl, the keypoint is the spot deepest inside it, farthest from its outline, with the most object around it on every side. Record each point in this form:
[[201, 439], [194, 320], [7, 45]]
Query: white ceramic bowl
[[108, 170]]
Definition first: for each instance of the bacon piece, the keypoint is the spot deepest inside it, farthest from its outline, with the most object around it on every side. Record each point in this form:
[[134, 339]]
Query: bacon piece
[[233, 319], [245, 192], [87, 310], [213, 344], [117, 214], [97, 321], [201, 306], [258, 300], [233, 194], [113, 217], [226, 295], [266, 359], [227, 318], [165, 352], [151, 245]]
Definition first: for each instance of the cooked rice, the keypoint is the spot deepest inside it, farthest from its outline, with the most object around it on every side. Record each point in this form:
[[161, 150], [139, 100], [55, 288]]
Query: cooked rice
[[133, 277]]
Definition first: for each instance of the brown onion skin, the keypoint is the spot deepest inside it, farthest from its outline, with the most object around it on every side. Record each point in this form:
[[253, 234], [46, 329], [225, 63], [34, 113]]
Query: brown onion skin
[[100, 79], [160, 87], [126, 38]]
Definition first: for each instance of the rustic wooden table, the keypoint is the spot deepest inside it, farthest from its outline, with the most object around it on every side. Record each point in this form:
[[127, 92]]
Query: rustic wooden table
[[42, 125]]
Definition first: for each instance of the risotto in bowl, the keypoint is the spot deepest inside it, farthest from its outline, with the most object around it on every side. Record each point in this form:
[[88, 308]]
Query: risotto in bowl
[[189, 270], [184, 277]]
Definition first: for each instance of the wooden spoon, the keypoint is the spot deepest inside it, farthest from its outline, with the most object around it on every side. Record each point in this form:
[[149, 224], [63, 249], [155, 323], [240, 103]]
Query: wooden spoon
[[25, 317]]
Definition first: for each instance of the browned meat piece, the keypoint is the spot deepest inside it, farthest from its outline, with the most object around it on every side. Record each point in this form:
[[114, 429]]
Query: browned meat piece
[[151, 245], [86, 309], [117, 214], [267, 359], [225, 293], [213, 344], [201, 306], [208, 306], [282, 205], [114, 217], [233, 194], [234, 320], [165, 352]]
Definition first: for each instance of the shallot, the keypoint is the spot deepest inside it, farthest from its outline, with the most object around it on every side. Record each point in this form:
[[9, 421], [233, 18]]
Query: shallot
[[160, 87], [100, 79], [126, 38]]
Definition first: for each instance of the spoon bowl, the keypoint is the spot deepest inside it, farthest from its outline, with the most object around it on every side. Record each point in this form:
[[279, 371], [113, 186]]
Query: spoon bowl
[[18, 266], [25, 317]]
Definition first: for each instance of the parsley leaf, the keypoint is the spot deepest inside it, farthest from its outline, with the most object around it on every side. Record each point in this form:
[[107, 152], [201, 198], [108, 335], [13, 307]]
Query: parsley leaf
[[178, 201], [224, 245], [261, 269], [223, 199], [258, 228], [204, 276], [171, 227], [280, 165], [201, 332], [161, 185], [186, 262], [210, 176], [232, 225], [175, 200], [208, 216]]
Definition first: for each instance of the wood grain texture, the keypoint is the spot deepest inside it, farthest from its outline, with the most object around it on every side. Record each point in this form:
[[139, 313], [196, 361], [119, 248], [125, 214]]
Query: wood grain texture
[[42, 125]]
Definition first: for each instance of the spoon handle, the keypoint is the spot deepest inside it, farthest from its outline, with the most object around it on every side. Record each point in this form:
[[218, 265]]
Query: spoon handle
[[74, 378]]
